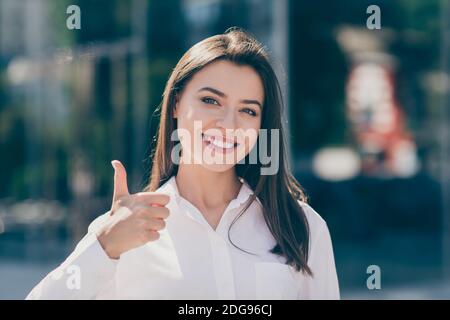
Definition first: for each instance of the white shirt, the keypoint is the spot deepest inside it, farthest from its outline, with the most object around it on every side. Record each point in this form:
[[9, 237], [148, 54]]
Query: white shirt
[[191, 260]]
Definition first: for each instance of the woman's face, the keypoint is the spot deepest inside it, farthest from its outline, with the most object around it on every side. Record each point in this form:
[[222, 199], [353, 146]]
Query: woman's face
[[219, 115]]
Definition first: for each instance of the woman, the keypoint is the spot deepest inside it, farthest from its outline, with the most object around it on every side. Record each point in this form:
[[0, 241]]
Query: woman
[[215, 222]]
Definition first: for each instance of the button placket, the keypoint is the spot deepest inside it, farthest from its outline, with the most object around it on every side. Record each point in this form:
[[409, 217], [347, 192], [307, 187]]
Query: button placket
[[218, 239], [223, 269]]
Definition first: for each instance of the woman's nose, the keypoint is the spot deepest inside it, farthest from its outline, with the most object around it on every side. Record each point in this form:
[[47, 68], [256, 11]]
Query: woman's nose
[[227, 120]]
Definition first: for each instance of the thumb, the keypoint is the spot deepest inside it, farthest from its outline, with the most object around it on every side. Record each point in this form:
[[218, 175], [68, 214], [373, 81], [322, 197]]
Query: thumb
[[120, 180]]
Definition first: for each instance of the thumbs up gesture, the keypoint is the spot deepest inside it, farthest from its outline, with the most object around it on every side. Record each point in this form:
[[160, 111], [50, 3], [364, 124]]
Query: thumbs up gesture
[[134, 220]]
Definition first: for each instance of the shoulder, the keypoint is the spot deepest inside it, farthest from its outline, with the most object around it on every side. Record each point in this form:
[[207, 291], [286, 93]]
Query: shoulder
[[324, 284], [319, 234], [315, 222]]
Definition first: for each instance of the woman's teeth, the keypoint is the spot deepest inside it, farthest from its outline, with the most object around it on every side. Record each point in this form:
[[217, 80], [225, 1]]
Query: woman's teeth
[[223, 145], [219, 143]]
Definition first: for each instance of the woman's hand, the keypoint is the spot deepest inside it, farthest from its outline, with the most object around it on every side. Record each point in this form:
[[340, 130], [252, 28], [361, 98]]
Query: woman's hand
[[134, 219]]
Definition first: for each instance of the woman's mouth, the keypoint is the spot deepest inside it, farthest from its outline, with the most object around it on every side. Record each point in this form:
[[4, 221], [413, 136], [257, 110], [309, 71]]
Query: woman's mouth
[[219, 144]]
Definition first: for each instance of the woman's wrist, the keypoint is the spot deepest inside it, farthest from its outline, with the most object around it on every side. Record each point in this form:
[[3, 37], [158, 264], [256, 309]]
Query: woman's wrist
[[102, 238]]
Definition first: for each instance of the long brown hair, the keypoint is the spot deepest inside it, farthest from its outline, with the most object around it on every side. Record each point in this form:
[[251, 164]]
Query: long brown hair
[[278, 193]]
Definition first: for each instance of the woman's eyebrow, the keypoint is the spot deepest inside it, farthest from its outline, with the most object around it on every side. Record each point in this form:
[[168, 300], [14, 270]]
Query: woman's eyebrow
[[223, 95]]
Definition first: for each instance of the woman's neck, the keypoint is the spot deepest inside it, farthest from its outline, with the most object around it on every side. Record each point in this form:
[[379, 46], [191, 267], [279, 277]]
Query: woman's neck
[[207, 189]]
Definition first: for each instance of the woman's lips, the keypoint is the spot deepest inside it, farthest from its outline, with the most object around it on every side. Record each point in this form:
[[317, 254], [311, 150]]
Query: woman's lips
[[219, 144]]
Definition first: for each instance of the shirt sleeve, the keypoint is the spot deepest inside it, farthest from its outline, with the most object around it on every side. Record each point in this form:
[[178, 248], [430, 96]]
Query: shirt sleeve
[[324, 284], [87, 273]]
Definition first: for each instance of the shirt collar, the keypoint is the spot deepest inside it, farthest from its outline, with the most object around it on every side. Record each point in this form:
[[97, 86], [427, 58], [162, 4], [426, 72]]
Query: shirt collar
[[245, 192]]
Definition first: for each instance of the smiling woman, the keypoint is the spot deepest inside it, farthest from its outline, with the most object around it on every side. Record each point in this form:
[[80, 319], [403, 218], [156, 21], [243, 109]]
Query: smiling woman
[[201, 230], [225, 99]]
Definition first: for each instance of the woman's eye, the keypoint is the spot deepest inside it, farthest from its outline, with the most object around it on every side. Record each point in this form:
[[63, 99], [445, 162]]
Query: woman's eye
[[250, 112], [210, 101]]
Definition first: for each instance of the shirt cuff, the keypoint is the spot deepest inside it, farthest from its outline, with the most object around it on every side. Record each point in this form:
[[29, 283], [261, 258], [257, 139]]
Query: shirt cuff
[[85, 273], [94, 263]]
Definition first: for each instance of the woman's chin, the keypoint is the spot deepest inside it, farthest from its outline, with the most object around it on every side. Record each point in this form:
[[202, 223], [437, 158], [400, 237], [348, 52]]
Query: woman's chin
[[217, 167]]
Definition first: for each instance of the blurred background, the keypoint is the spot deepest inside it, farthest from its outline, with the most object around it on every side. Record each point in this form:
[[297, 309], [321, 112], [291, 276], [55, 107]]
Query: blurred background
[[368, 114]]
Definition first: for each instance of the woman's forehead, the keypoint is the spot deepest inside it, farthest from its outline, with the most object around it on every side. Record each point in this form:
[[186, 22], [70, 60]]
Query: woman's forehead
[[235, 81]]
